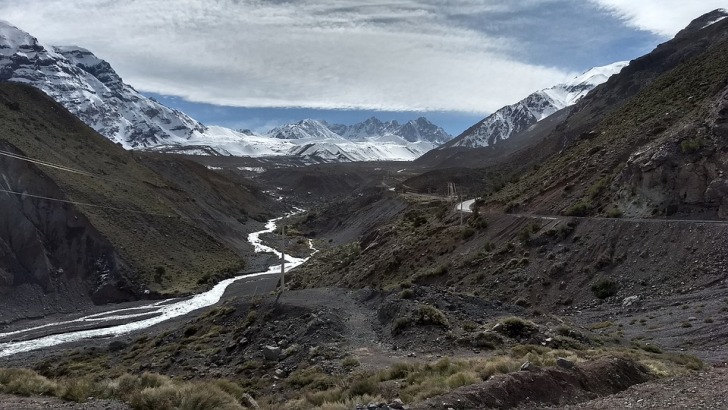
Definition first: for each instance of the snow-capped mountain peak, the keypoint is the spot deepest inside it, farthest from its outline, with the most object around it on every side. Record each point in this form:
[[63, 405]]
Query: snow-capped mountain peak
[[567, 94], [307, 129], [88, 87], [517, 117]]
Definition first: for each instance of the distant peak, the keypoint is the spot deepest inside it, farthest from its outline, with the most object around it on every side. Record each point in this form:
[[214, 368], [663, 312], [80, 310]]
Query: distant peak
[[704, 21]]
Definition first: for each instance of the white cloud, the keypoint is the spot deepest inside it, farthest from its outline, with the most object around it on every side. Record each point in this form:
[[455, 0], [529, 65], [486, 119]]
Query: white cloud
[[383, 55], [663, 17]]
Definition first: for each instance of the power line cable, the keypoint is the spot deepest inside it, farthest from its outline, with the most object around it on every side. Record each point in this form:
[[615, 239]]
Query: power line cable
[[86, 173], [175, 216]]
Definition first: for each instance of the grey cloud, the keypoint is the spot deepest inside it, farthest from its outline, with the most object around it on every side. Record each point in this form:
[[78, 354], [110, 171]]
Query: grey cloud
[[405, 55]]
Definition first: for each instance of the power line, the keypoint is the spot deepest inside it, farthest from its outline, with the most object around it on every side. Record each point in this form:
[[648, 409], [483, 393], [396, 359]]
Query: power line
[[45, 163], [63, 167], [228, 220], [89, 174]]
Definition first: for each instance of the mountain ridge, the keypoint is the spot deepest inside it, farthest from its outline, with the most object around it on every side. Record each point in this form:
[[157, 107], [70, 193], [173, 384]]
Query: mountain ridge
[[89, 87], [515, 118]]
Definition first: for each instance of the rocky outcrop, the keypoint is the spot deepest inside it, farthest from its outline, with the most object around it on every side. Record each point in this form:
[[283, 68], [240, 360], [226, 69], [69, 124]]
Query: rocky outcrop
[[49, 252], [686, 173]]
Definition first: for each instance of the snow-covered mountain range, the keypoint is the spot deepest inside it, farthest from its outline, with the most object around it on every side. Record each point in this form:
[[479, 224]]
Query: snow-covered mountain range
[[89, 87], [517, 117], [318, 141]]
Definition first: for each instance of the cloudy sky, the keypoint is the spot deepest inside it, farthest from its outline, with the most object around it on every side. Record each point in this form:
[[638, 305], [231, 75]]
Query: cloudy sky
[[258, 63]]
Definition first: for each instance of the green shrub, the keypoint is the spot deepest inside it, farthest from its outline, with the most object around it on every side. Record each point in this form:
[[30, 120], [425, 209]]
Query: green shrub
[[77, 390], [400, 324], [363, 386], [25, 383], [605, 288], [614, 213], [350, 363], [427, 314], [691, 145], [580, 208]]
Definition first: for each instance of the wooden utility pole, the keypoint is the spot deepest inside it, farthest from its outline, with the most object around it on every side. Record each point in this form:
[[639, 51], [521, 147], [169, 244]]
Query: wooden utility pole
[[283, 257], [461, 211]]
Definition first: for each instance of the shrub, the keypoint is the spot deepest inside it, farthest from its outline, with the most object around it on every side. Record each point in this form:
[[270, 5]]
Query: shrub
[[516, 328], [25, 383], [363, 386], [400, 324], [77, 390], [463, 378], [605, 288], [427, 314], [580, 208], [350, 362], [614, 213], [407, 294], [691, 145], [468, 233]]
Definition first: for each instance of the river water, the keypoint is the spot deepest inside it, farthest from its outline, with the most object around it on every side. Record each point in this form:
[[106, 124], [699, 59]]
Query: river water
[[147, 315]]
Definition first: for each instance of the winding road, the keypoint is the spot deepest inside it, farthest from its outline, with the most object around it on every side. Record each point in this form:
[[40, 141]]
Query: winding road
[[122, 321]]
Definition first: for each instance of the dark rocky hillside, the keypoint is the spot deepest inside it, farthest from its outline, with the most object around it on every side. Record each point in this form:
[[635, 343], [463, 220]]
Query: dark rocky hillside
[[142, 231], [659, 153], [565, 127]]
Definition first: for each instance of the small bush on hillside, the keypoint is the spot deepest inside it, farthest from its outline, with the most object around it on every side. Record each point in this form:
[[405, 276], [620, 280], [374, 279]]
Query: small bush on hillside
[[427, 314], [614, 213], [605, 288], [580, 208], [516, 328], [407, 294], [350, 363], [691, 145], [25, 383], [400, 324], [598, 187]]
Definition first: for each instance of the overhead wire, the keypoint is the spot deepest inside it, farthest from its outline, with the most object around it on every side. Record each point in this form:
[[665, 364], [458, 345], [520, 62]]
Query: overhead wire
[[86, 204]]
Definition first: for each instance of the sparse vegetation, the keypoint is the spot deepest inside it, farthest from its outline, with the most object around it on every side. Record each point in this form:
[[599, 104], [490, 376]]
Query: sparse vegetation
[[691, 145], [605, 288], [580, 208]]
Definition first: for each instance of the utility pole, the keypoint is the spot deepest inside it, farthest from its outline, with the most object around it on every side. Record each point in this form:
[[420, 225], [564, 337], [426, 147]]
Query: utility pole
[[283, 257], [461, 210]]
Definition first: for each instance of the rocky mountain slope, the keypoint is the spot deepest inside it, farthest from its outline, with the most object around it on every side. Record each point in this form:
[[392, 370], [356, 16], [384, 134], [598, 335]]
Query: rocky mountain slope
[[89, 87], [86, 221], [516, 118], [650, 141]]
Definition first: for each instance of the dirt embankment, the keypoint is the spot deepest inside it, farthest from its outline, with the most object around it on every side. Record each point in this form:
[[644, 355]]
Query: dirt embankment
[[552, 386]]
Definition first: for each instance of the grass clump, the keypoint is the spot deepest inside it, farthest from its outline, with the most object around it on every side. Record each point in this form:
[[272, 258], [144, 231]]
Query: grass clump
[[350, 363], [580, 208], [25, 383]]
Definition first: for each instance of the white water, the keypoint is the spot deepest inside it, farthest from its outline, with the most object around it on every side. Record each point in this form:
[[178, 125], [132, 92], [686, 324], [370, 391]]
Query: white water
[[164, 310], [465, 206]]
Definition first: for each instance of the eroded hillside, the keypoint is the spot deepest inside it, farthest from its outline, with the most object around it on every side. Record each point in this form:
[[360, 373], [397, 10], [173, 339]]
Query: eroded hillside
[[113, 228]]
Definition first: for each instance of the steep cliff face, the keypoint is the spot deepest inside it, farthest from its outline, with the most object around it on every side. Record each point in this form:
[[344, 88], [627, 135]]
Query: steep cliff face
[[686, 172], [51, 256]]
